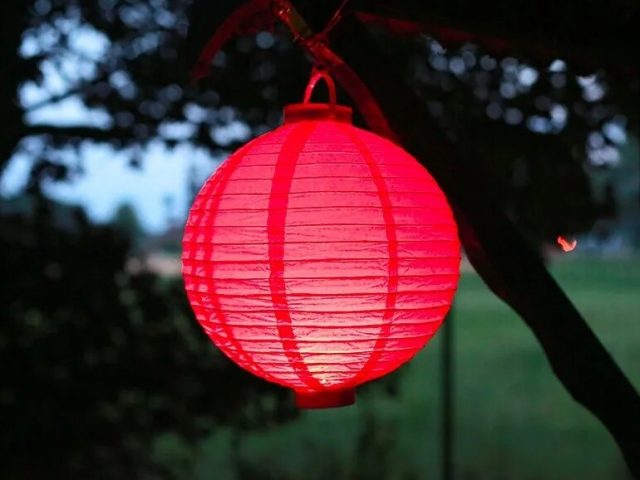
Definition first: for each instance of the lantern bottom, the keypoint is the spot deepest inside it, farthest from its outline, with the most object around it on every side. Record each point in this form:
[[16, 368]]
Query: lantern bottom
[[328, 399]]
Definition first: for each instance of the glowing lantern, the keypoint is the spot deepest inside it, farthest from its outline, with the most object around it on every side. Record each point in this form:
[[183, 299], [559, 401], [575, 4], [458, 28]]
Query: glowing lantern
[[320, 256]]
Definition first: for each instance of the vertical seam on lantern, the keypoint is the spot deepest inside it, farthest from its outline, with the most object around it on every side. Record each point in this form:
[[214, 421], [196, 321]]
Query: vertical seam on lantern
[[228, 171], [276, 221], [392, 243]]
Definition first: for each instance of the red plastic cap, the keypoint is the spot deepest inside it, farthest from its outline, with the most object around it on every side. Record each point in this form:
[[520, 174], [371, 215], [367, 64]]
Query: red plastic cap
[[297, 112], [328, 399]]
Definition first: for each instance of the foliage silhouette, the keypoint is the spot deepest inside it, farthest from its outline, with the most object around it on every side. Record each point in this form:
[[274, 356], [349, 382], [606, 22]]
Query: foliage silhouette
[[97, 361]]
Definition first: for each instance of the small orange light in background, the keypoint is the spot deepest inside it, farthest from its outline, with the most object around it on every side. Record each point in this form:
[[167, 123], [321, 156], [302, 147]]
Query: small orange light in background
[[565, 244]]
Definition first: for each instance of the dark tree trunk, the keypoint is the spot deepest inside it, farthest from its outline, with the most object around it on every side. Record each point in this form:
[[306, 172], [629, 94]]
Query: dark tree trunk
[[498, 252]]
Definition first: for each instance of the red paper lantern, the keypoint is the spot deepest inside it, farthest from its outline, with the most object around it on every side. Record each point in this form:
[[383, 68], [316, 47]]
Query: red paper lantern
[[320, 256]]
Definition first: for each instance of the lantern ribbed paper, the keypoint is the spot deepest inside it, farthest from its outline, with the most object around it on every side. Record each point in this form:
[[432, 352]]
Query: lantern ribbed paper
[[320, 256]]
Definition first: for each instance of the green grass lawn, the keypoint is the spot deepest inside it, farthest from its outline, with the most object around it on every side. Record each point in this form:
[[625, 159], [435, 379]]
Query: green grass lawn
[[513, 419]]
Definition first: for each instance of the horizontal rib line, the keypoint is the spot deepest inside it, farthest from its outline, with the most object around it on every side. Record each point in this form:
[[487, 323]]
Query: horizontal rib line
[[314, 312], [322, 208], [355, 153], [297, 324], [315, 177], [277, 341], [380, 364], [346, 375], [314, 242], [335, 352], [362, 277], [278, 146], [427, 243], [373, 192], [332, 260], [297, 294], [316, 225], [321, 163]]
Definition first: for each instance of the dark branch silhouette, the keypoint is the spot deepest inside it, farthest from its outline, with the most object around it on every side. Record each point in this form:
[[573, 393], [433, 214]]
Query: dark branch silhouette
[[496, 249]]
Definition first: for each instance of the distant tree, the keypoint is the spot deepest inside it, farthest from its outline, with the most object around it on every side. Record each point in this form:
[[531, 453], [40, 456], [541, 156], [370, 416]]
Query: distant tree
[[125, 220], [96, 362]]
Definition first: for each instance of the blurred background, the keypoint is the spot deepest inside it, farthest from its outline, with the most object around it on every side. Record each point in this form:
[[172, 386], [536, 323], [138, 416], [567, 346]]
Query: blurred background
[[105, 372]]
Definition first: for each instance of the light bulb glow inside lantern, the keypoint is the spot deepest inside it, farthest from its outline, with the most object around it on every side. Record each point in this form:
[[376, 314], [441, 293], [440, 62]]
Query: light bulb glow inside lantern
[[320, 256]]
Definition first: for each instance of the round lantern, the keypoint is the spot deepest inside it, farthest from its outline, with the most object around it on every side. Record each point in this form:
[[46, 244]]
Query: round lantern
[[320, 256]]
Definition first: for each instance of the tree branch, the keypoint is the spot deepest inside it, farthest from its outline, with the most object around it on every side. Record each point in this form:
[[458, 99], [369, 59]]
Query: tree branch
[[111, 134], [90, 133], [544, 31]]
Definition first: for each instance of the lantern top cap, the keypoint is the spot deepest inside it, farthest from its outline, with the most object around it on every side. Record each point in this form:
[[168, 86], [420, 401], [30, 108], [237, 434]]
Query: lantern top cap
[[318, 111], [297, 112]]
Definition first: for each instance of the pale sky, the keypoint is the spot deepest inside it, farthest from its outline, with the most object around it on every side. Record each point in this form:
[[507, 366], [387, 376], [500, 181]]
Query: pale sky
[[108, 180]]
